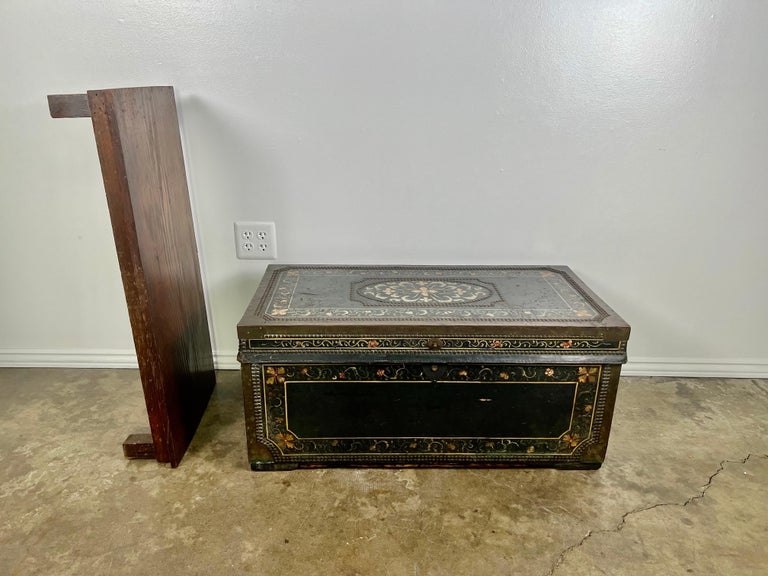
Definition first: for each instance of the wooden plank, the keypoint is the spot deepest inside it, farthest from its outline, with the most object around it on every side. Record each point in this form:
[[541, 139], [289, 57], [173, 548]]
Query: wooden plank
[[139, 147], [139, 447], [69, 106]]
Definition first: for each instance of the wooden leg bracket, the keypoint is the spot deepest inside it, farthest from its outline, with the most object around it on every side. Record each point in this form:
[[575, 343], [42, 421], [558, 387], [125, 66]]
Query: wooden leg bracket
[[139, 447]]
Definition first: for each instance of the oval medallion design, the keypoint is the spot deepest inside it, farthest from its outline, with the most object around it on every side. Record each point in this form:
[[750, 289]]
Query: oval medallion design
[[424, 292]]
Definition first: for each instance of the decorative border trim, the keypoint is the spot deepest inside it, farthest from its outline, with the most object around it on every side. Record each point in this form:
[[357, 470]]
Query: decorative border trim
[[269, 390], [422, 343], [637, 366]]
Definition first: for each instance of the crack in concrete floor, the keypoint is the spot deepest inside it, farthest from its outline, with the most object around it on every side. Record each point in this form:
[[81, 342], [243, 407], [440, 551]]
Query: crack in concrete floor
[[623, 522]]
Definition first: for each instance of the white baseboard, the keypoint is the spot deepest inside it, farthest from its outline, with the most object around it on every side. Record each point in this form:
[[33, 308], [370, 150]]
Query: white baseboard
[[64, 358], [669, 367], [226, 361], [697, 367], [36, 358]]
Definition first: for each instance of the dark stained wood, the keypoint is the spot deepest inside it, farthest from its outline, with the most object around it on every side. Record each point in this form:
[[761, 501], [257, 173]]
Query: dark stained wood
[[139, 447], [139, 147], [69, 106]]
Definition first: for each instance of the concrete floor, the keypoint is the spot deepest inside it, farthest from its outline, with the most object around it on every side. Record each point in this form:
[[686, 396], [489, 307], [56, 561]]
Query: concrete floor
[[684, 491]]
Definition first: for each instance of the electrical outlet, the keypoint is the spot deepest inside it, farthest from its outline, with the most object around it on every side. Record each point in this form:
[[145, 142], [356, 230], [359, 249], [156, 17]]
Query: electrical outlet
[[255, 240]]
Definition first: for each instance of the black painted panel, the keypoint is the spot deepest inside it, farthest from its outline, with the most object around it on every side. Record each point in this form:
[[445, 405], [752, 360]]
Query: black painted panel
[[428, 409]]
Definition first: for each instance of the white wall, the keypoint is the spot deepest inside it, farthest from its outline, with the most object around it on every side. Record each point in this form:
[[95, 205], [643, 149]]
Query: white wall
[[628, 140]]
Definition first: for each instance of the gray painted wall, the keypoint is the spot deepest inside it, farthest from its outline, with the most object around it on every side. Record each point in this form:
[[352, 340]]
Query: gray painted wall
[[627, 140]]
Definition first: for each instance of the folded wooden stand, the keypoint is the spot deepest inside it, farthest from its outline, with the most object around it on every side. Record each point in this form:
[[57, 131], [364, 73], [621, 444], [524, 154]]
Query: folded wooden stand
[[142, 163]]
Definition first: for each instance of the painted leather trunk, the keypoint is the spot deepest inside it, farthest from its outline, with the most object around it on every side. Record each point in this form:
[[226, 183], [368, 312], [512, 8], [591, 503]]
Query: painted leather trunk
[[428, 366]]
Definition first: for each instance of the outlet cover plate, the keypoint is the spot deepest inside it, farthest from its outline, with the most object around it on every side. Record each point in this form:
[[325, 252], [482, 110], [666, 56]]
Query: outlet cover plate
[[255, 240]]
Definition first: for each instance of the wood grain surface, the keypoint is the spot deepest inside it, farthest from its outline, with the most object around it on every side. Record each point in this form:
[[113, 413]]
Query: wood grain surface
[[139, 147]]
